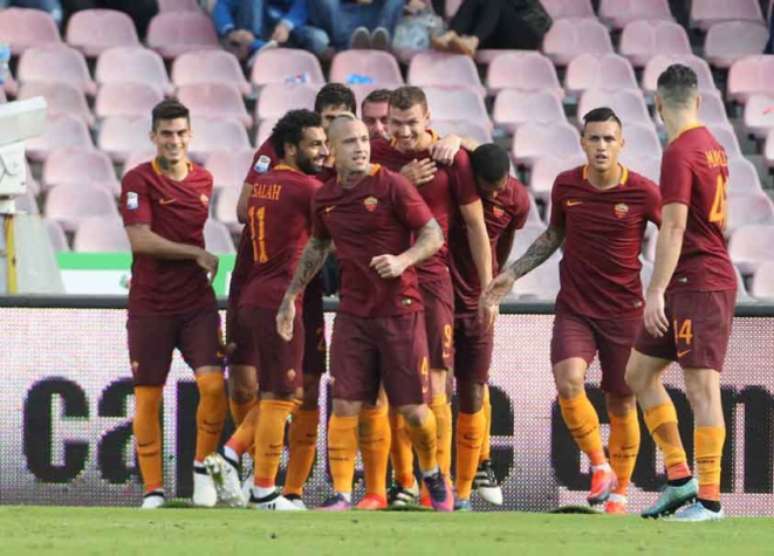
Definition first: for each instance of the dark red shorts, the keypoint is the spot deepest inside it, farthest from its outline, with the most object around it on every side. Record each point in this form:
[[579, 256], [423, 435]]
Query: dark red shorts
[[438, 299], [472, 348], [315, 348], [576, 335], [244, 353], [279, 361], [699, 329], [392, 350], [153, 338]]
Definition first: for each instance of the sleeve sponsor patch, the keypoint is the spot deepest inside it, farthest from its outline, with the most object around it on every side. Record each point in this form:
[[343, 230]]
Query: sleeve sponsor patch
[[132, 200]]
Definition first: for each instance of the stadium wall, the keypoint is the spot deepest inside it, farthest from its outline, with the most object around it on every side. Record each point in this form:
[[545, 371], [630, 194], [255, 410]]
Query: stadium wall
[[66, 402]]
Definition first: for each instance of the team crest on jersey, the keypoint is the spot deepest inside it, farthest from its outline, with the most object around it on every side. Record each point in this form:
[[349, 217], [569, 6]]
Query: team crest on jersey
[[204, 199], [498, 212], [370, 203], [620, 210]]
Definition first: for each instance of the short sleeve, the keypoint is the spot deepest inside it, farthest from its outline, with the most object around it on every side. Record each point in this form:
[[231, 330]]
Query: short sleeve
[[135, 201], [556, 218], [409, 206], [463, 182], [261, 165], [521, 206], [653, 208], [319, 228], [676, 178]]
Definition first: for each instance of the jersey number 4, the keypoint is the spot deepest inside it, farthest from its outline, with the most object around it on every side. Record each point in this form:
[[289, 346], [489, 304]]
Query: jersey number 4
[[718, 212], [257, 219]]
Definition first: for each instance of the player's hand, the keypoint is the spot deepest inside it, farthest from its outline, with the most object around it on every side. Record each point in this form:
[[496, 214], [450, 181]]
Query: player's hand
[[281, 33], [285, 316], [487, 314], [656, 322], [497, 289], [446, 149], [388, 266], [419, 172], [209, 263]]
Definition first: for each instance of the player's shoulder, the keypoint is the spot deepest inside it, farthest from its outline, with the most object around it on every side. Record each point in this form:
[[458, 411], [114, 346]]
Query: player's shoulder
[[199, 172], [381, 146], [140, 173], [573, 176], [637, 180]]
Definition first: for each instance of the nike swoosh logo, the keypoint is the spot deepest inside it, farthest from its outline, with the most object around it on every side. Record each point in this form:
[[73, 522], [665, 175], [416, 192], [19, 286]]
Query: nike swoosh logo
[[166, 201], [681, 353], [573, 203]]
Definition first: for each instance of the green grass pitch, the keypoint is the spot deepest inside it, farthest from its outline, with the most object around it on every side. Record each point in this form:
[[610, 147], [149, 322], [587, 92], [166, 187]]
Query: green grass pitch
[[112, 531]]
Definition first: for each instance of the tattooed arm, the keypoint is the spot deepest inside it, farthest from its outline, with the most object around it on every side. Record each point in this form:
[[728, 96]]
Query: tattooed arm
[[429, 240]]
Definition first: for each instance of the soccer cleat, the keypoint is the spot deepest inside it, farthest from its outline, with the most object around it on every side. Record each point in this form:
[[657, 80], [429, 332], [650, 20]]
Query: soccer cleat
[[400, 497], [336, 503], [225, 476], [273, 502], [153, 500], [671, 498], [424, 497], [486, 484], [204, 493], [372, 502], [441, 496], [616, 504], [603, 481], [463, 506], [296, 499], [697, 512], [247, 486]]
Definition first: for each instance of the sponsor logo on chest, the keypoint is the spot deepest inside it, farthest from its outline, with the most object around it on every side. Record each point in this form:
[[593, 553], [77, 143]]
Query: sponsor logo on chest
[[620, 210], [370, 203]]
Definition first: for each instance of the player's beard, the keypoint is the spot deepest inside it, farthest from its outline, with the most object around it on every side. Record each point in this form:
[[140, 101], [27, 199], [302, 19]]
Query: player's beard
[[308, 165]]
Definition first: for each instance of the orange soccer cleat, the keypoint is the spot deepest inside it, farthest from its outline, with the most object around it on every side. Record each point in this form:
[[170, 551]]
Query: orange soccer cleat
[[603, 481], [372, 502], [616, 504]]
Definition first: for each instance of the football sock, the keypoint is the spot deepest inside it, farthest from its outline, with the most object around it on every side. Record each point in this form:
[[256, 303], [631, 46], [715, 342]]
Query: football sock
[[624, 444], [147, 434], [302, 438], [270, 439], [662, 424], [210, 413], [242, 439], [470, 432], [424, 438], [401, 456], [486, 407], [342, 450], [374, 438], [708, 443], [441, 408], [239, 410], [583, 422]]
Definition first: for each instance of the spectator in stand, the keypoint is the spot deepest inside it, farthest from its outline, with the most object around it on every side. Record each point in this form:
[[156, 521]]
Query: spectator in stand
[[512, 24], [357, 23], [54, 7], [141, 11]]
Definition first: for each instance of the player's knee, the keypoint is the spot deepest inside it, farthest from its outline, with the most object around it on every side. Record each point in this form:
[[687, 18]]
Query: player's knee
[[346, 408], [242, 383], [414, 415], [212, 389], [619, 404], [471, 396], [568, 387], [635, 378], [311, 394]]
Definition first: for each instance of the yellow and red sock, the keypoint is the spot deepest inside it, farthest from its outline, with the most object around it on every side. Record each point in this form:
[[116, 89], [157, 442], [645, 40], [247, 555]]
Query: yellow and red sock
[[662, 425], [401, 455], [470, 433], [583, 423], [423, 439], [270, 439], [302, 438], [342, 450], [441, 408], [624, 445], [242, 439], [708, 443], [374, 438], [240, 410], [486, 407], [210, 414], [147, 434]]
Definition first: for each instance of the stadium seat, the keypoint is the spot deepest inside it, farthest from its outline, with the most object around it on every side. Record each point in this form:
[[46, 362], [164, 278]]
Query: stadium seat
[[450, 104], [513, 108], [215, 101], [749, 76], [125, 64], [286, 65], [265, 127], [126, 99], [118, 136], [101, 234], [61, 98], [644, 163], [606, 71], [380, 67], [642, 40], [559, 9], [619, 13], [743, 177], [174, 33], [762, 285], [660, 62], [545, 170], [567, 38], [362, 90], [217, 238], [742, 295], [629, 105], [60, 131], [179, 6], [69, 204], [748, 208], [533, 141], [759, 115], [705, 13], [23, 28], [79, 167], [229, 168], [135, 158], [463, 128], [729, 41], [436, 69], [225, 208], [55, 63], [641, 141], [56, 236], [542, 284], [726, 137], [523, 239], [212, 135], [209, 66], [277, 98], [751, 245], [523, 71], [768, 150], [451, 7], [94, 31]]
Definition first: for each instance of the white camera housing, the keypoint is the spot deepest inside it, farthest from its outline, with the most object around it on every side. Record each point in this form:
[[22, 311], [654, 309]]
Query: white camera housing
[[19, 120]]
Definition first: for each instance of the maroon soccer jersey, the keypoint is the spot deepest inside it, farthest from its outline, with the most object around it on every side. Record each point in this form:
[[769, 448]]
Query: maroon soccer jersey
[[177, 211], [376, 217], [694, 172], [504, 212], [451, 187], [600, 270], [278, 222]]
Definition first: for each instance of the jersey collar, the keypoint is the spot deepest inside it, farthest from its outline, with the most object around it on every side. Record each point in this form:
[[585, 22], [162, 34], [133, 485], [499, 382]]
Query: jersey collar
[[624, 173]]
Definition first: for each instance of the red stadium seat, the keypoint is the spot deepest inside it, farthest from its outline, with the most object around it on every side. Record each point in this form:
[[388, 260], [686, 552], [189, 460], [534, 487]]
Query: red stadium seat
[[380, 67], [174, 33], [209, 66], [55, 63], [212, 135], [642, 40], [768, 149], [56, 236], [80, 166], [659, 63], [450, 104], [283, 65], [559, 9], [622, 12], [750, 208], [729, 41], [751, 245], [640, 141], [533, 141], [23, 28], [225, 208], [229, 168], [119, 136], [94, 31], [62, 98], [629, 105], [362, 90], [135, 158], [727, 137], [101, 234], [759, 115], [71, 203], [513, 108], [179, 6], [126, 99], [762, 286], [749, 76], [568, 38], [215, 100], [217, 238], [133, 64], [606, 71], [645, 163], [463, 128], [523, 71], [276, 99], [743, 177], [60, 131], [712, 111], [264, 131], [705, 13], [437, 69], [544, 172], [542, 284]]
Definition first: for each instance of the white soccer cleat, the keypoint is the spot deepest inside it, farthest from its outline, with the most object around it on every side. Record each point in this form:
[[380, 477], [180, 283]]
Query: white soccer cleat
[[247, 486], [297, 500], [204, 493], [225, 477], [486, 484], [274, 502], [696, 512], [153, 500]]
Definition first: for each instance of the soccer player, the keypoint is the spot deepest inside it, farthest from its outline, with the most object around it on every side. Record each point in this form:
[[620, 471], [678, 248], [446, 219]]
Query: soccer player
[[446, 189], [599, 211], [374, 111], [690, 302], [506, 205], [381, 228], [164, 205]]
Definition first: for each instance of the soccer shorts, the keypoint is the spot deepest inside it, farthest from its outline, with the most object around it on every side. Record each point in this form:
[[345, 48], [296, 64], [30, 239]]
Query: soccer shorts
[[576, 335], [153, 338], [392, 350], [244, 352], [699, 329], [438, 300], [473, 346], [315, 349]]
